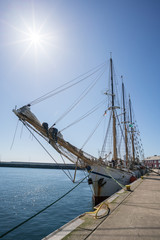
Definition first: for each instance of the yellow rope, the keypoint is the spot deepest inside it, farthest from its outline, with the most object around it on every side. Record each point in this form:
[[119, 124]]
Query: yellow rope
[[121, 185], [98, 209]]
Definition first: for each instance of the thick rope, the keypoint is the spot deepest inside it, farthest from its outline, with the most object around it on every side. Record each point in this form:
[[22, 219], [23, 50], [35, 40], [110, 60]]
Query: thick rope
[[95, 213], [94, 229], [121, 185], [28, 219]]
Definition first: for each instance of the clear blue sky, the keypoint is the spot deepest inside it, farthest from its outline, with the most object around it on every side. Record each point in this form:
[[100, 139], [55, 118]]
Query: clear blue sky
[[76, 36]]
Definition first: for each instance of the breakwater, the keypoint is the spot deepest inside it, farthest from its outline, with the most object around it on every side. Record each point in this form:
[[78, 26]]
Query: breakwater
[[38, 165]]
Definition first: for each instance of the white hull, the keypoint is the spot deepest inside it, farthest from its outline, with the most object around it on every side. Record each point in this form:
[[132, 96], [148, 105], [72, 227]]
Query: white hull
[[107, 181]]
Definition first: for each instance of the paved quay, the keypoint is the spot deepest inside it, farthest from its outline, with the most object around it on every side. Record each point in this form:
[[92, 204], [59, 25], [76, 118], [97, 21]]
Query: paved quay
[[133, 214]]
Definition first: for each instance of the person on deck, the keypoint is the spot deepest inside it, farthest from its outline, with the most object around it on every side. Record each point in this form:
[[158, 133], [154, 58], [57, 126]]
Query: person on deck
[[54, 133]]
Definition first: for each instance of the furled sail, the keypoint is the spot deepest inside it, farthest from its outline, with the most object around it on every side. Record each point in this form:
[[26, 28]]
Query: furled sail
[[55, 138]]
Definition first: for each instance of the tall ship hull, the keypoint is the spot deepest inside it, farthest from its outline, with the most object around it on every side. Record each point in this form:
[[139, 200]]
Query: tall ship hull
[[106, 181]]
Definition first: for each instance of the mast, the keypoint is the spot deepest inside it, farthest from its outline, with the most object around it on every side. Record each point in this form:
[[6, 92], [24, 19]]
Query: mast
[[125, 126], [132, 130], [113, 115]]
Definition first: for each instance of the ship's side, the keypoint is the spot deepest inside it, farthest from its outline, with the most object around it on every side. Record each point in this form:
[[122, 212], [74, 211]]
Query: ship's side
[[105, 181]]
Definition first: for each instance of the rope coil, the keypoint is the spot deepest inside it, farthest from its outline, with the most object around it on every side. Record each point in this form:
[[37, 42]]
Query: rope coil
[[105, 212]]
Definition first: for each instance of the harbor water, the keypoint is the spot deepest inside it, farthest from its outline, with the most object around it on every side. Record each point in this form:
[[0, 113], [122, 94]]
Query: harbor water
[[25, 191]]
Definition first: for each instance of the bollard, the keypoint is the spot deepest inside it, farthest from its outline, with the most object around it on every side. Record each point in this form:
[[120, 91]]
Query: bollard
[[128, 187]]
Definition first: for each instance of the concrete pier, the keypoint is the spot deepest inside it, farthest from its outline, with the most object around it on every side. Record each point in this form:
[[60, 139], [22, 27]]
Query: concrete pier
[[133, 214]]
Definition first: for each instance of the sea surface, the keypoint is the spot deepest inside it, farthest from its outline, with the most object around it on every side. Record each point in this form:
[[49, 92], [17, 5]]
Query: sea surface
[[25, 191]]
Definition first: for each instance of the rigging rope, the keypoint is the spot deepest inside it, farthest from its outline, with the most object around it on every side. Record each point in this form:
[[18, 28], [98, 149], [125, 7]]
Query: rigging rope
[[92, 110], [120, 126], [106, 136], [58, 89], [14, 228], [14, 135], [97, 125], [26, 125], [84, 93], [21, 131], [122, 134], [67, 169]]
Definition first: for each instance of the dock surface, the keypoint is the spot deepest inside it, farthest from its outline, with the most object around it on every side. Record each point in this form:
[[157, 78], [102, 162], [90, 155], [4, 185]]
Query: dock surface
[[133, 214]]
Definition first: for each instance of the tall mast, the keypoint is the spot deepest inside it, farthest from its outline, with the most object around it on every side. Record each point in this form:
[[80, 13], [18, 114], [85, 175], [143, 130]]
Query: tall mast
[[113, 115], [125, 126], [132, 130]]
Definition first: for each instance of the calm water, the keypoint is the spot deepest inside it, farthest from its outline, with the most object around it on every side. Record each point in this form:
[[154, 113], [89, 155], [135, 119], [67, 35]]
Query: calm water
[[24, 191]]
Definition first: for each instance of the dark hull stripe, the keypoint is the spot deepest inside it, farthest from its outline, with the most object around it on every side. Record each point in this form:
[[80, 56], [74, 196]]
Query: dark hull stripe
[[100, 174]]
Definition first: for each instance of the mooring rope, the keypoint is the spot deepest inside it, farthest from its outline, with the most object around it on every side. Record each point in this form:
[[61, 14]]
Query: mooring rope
[[120, 184], [28, 219]]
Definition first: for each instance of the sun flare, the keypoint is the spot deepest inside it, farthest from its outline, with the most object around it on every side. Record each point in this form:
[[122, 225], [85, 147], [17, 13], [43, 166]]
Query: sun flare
[[35, 37]]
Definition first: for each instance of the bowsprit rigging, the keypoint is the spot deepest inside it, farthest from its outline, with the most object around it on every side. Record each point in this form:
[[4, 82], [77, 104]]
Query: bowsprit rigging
[[119, 158], [68, 84]]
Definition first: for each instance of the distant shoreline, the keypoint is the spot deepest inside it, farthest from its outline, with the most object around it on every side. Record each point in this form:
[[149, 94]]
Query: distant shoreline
[[38, 165]]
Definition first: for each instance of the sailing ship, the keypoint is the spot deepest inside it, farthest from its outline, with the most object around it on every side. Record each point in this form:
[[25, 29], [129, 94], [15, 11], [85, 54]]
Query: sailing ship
[[111, 170]]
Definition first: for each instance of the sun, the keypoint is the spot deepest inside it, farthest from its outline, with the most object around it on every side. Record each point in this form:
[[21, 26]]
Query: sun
[[35, 38], [37, 41]]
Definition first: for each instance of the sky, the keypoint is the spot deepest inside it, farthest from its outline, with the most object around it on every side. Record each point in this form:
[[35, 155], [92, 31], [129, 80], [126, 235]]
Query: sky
[[45, 43]]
